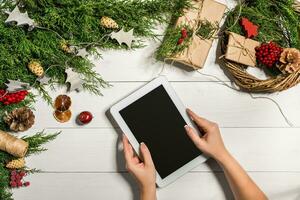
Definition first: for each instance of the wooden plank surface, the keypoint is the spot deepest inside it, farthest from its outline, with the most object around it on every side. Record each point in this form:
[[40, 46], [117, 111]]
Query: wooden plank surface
[[114, 186], [85, 162], [214, 101], [99, 150]]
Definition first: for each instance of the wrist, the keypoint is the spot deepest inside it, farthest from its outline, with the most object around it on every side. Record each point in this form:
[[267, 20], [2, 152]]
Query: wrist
[[148, 193], [223, 157], [148, 188]]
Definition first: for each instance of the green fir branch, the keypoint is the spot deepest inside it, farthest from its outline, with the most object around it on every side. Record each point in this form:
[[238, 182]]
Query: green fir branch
[[36, 141]]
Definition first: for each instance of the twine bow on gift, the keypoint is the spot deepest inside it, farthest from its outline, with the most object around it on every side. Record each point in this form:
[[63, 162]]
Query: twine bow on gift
[[188, 52], [244, 50]]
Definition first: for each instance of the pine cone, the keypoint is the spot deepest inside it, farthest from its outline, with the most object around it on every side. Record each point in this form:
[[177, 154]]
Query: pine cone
[[66, 47], [20, 119], [108, 22], [36, 68], [16, 164], [290, 60]]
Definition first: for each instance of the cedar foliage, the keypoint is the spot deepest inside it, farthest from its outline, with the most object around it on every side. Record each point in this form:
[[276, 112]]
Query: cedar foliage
[[277, 20], [77, 23]]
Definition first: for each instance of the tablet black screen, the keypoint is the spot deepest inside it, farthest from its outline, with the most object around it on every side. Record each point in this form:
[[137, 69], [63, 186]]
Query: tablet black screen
[[155, 120]]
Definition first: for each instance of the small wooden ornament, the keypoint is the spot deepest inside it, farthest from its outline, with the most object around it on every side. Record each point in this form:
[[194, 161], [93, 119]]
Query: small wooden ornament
[[12, 145], [251, 30]]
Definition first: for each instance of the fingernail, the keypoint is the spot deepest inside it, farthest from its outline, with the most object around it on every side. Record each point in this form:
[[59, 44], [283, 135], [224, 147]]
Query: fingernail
[[142, 145], [186, 127]]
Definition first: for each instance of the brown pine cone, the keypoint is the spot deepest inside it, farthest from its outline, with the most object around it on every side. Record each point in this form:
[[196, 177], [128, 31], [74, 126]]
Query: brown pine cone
[[20, 119], [290, 60]]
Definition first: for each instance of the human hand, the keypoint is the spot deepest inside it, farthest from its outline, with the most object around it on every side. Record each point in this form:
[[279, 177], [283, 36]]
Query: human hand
[[143, 171], [211, 142]]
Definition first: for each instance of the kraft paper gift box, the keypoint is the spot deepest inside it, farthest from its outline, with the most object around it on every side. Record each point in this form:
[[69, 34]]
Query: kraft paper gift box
[[204, 10], [241, 49]]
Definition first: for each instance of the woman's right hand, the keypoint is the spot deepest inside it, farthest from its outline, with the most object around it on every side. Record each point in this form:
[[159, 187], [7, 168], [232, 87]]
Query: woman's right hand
[[211, 142]]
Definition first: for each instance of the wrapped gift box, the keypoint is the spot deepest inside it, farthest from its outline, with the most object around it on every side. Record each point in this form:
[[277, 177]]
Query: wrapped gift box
[[203, 10], [241, 49]]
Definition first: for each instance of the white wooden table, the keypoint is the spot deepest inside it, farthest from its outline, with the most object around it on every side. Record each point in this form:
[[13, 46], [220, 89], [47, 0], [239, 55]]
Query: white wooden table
[[86, 162]]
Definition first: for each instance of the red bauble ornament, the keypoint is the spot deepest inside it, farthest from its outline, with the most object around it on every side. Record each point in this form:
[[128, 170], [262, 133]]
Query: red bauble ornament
[[251, 30], [85, 117], [268, 54]]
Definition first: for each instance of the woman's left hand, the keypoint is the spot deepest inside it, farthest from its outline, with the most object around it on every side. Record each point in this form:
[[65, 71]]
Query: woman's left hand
[[143, 171]]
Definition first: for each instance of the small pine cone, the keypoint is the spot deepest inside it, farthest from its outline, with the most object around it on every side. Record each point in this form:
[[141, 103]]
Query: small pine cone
[[66, 47], [108, 22], [16, 164], [20, 119], [36, 68]]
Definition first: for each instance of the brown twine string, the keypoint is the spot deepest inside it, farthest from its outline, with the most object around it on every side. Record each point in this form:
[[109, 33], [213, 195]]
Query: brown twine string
[[251, 95], [236, 89], [245, 50], [12, 145]]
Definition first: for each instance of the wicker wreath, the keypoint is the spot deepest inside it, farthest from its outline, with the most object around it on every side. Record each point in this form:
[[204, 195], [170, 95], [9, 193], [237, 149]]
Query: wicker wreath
[[251, 83]]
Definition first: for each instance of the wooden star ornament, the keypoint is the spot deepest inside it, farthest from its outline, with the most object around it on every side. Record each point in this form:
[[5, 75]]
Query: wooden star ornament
[[20, 18], [74, 79], [251, 30], [14, 86], [44, 80], [82, 52], [123, 37]]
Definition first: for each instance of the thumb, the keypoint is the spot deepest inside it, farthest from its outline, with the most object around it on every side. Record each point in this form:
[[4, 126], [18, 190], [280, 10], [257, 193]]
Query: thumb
[[146, 154], [194, 136]]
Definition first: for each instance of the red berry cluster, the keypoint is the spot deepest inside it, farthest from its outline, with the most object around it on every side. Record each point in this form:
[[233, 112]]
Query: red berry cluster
[[16, 179], [184, 35], [268, 54], [11, 98]]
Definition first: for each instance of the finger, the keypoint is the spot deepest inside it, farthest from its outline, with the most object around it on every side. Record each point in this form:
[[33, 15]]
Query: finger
[[128, 152], [135, 160], [201, 122], [194, 136], [146, 155]]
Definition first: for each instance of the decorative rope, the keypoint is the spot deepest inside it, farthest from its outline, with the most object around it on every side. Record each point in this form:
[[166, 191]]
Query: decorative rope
[[12, 145]]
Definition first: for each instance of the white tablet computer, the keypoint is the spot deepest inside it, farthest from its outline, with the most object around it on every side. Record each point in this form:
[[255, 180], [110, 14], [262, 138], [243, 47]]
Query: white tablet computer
[[155, 115]]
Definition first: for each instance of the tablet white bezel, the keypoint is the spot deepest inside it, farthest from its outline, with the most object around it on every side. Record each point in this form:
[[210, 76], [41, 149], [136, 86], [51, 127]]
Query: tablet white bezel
[[115, 112]]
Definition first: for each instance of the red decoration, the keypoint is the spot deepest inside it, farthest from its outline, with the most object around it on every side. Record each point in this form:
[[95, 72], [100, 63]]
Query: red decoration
[[11, 98], [85, 117], [184, 35], [268, 54], [250, 29], [180, 41], [16, 179]]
